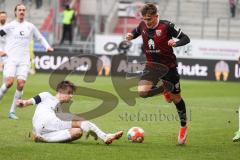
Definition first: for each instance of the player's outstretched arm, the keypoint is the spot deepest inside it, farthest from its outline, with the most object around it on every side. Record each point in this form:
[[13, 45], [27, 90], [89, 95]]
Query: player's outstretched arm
[[50, 49], [129, 36], [24, 103], [38, 36]]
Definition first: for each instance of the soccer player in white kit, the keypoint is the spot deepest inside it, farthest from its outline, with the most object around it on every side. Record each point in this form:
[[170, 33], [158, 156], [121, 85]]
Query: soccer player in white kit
[[47, 127], [19, 34], [3, 19]]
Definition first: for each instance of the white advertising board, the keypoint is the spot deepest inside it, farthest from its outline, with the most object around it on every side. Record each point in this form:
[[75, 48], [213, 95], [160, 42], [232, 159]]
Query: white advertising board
[[196, 49]]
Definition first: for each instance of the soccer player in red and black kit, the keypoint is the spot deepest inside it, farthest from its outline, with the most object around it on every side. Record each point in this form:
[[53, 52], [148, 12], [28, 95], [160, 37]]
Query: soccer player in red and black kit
[[157, 43]]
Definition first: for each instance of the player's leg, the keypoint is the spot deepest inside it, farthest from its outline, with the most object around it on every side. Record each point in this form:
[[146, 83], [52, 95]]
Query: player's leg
[[181, 109], [66, 135], [9, 72], [236, 138], [217, 75], [100, 71], [87, 127], [8, 82], [70, 34], [21, 75], [18, 94], [175, 97], [225, 76], [144, 88], [55, 130], [63, 34], [107, 71], [147, 86]]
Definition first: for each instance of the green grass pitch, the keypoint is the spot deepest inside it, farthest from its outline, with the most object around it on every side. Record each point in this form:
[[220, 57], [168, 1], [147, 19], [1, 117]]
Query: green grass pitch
[[211, 109]]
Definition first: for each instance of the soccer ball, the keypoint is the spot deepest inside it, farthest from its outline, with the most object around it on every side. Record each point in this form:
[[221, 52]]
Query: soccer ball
[[136, 134]]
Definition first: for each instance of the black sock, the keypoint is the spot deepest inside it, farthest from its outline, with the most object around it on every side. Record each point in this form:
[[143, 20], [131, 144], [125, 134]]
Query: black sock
[[181, 109]]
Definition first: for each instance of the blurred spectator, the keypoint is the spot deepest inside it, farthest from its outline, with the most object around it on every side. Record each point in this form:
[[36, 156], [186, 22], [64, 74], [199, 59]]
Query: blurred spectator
[[221, 68], [2, 4], [233, 4], [106, 65], [68, 19], [3, 20], [25, 2], [65, 3], [38, 3]]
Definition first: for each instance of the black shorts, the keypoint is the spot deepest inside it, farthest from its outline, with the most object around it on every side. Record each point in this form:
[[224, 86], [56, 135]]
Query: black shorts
[[171, 76]]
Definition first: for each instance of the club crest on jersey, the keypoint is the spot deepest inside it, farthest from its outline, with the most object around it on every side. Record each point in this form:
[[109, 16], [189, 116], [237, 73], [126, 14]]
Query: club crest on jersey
[[21, 33], [151, 44], [158, 32]]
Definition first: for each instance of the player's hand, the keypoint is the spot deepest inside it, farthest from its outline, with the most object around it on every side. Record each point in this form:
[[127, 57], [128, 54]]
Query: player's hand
[[129, 36], [171, 43], [21, 103], [50, 49], [2, 54]]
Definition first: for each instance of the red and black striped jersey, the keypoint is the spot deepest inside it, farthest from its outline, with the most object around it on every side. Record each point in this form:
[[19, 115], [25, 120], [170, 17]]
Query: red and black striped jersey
[[155, 42]]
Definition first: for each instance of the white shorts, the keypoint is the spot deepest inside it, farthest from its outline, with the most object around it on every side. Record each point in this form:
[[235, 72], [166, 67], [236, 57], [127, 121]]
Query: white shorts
[[16, 69], [56, 136], [53, 124]]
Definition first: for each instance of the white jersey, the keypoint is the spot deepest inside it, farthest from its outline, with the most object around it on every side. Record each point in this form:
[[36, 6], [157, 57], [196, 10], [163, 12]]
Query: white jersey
[[18, 39], [46, 110], [2, 45], [2, 41]]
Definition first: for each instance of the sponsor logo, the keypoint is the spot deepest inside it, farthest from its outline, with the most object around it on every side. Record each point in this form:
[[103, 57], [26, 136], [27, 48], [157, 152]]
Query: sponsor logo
[[158, 32], [151, 44], [192, 70], [21, 33], [52, 63], [129, 67]]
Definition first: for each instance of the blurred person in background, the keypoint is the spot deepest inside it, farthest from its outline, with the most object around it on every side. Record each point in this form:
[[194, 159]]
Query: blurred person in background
[[68, 19], [3, 20], [233, 4], [106, 65], [38, 3], [221, 68]]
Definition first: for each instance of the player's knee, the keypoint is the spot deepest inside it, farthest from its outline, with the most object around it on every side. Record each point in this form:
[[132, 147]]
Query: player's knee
[[9, 83], [176, 99], [20, 85], [143, 94], [76, 133]]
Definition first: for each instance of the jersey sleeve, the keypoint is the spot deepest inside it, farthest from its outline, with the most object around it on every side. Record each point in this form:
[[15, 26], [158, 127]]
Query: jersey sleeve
[[176, 32], [173, 30], [136, 32], [5, 30], [38, 36], [2, 33], [40, 97]]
